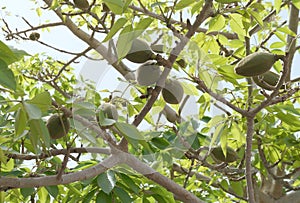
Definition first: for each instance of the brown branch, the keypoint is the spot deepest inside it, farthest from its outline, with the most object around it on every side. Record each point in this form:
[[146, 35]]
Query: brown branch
[[150, 173], [63, 165], [271, 33], [291, 42], [249, 137], [55, 152], [35, 28], [57, 49], [268, 18], [69, 62], [14, 182], [204, 88]]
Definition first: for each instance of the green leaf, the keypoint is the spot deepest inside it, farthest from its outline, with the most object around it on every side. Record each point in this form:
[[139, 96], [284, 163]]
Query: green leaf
[[21, 121], [165, 195], [125, 41], [129, 182], [159, 198], [123, 195], [190, 89], [236, 24], [217, 23], [289, 119], [286, 30], [223, 140], [143, 24], [224, 184], [32, 110], [106, 181], [296, 3], [54, 5], [103, 198], [183, 3], [7, 78], [53, 190], [115, 28], [38, 130], [277, 5], [276, 45], [103, 121], [87, 198], [116, 6], [128, 130], [6, 54], [127, 3], [3, 158], [27, 191], [237, 187], [160, 143], [42, 101], [19, 53], [38, 11], [256, 16]]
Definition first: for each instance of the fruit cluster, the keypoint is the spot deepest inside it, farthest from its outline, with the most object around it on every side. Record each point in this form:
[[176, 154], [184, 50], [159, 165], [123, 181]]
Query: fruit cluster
[[257, 66], [149, 72]]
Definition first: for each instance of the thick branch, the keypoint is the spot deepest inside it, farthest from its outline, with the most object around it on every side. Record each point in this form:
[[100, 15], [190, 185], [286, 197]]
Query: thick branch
[[7, 183], [55, 152], [250, 131], [150, 173], [293, 25]]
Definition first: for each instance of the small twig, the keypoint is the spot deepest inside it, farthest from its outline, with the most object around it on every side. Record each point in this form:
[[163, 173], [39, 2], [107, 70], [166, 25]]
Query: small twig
[[186, 98], [64, 164], [57, 49], [189, 174], [69, 62]]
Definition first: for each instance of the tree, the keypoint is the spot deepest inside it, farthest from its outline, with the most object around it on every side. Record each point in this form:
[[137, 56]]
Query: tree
[[64, 140]]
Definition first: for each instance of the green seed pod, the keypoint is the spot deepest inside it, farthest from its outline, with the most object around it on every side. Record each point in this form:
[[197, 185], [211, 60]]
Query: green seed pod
[[255, 64], [172, 92], [140, 52], [267, 80], [110, 111], [58, 126], [34, 36], [82, 4], [218, 155], [171, 115], [148, 74], [158, 48]]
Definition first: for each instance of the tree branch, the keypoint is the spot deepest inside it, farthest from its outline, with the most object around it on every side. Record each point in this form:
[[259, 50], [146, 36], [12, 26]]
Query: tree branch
[[150, 173], [55, 152], [250, 131], [9, 183]]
